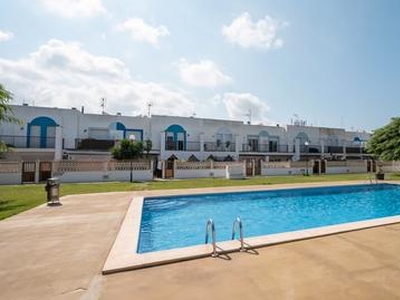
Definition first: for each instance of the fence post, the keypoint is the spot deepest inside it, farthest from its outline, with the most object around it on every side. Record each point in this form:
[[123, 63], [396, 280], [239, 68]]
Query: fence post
[[37, 171]]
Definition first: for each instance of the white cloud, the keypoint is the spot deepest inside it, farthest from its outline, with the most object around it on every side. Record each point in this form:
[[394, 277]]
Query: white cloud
[[63, 74], [75, 8], [202, 74], [239, 105], [259, 34], [142, 32], [5, 36]]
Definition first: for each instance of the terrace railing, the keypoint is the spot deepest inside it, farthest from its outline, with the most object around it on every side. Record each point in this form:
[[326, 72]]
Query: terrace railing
[[15, 141], [219, 147], [265, 148], [94, 144], [10, 167]]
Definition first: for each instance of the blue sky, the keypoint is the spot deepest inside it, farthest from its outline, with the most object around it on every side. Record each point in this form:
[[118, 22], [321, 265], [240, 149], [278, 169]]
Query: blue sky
[[333, 63]]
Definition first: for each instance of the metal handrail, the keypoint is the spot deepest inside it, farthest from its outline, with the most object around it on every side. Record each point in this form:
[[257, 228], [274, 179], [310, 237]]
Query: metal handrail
[[371, 180], [239, 223], [210, 226]]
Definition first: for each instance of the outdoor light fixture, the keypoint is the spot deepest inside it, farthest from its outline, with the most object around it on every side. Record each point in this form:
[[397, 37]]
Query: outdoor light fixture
[[306, 143], [132, 137]]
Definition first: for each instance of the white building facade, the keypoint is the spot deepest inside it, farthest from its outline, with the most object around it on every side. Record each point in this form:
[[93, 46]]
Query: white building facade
[[56, 134]]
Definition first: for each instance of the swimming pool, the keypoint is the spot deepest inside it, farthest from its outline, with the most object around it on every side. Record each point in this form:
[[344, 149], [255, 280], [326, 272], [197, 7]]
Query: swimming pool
[[179, 221]]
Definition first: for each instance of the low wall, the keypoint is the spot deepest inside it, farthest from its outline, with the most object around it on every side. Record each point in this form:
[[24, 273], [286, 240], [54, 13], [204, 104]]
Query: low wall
[[13, 178], [205, 173], [10, 172], [206, 169], [237, 171], [390, 167], [284, 171], [343, 167], [76, 177], [99, 171], [285, 168]]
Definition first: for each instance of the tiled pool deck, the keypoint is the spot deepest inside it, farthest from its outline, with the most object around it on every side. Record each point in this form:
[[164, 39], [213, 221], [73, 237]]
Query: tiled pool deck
[[59, 253]]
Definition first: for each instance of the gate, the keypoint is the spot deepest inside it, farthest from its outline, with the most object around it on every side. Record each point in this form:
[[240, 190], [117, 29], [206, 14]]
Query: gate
[[28, 171], [44, 170], [316, 169], [169, 169], [249, 167], [323, 166], [258, 167], [371, 166]]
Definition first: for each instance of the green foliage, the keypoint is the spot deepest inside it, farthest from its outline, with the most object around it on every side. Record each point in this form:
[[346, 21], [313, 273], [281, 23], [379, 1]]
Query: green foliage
[[128, 149], [385, 142], [6, 113], [148, 145]]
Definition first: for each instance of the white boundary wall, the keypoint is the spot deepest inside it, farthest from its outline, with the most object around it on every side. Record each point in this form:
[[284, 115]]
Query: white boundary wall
[[97, 171], [389, 167], [285, 168], [237, 171], [207, 169], [343, 167], [10, 172]]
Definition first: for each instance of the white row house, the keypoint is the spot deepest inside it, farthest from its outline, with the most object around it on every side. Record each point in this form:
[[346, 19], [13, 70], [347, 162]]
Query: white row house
[[57, 133]]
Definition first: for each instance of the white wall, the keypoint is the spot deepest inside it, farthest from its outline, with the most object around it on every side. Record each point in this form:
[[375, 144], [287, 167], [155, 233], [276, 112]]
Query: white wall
[[345, 170], [11, 178], [284, 171], [105, 176], [207, 173]]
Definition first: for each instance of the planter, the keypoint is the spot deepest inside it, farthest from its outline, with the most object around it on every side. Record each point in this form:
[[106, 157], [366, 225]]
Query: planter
[[380, 176]]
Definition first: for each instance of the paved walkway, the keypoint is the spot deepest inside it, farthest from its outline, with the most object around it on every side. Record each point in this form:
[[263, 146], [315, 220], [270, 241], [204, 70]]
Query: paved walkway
[[58, 253]]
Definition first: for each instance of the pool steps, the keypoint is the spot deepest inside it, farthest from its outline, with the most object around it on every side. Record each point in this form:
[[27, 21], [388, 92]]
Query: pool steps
[[210, 226]]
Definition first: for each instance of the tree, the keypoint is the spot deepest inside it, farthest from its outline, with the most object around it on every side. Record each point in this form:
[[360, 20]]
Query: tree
[[148, 145], [385, 141], [6, 114], [128, 149]]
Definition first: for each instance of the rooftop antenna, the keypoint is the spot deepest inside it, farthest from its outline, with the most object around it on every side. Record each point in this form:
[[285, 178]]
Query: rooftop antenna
[[103, 104], [249, 115], [149, 105]]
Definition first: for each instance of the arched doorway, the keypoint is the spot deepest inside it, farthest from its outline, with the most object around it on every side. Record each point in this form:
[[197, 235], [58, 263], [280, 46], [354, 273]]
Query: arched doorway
[[175, 138], [41, 133]]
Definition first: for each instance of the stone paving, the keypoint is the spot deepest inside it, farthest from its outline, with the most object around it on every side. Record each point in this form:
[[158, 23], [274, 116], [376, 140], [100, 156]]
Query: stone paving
[[59, 252]]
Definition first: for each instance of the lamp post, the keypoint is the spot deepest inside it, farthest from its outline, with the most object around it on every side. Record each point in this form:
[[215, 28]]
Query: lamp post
[[131, 138], [306, 143]]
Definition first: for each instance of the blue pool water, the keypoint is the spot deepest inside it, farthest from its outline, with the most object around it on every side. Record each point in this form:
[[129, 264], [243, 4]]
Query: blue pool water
[[179, 221]]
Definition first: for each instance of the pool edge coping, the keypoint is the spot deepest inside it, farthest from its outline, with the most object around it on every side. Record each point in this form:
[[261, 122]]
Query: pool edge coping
[[122, 258]]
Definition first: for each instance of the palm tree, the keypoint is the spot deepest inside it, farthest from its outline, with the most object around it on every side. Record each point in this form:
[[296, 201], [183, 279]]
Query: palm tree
[[6, 114]]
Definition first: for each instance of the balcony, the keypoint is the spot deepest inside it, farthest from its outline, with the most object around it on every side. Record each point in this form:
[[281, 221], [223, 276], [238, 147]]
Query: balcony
[[265, 148], [219, 147], [310, 149], [28, 142], [355, 150], [180, 146], [93, 144]]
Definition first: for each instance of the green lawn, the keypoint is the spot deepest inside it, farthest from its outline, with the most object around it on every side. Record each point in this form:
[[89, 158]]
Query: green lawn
[[18, 198]]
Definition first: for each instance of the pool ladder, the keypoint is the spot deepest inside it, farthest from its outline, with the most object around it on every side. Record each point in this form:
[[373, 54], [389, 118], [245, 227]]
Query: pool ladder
[[238, 223], [210, 228], [371, 181]]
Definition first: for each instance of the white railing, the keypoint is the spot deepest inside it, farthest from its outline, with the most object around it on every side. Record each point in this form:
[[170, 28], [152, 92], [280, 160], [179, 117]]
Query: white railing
[[285, 164], [204, 165], [99, 166], [78, 166], [10, 167], [127, 166]]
